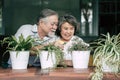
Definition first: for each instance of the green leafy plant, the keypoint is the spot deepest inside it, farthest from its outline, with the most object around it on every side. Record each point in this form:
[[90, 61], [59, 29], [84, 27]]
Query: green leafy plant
[[79, 45], [51, 48], [108, 48], [20, 44]]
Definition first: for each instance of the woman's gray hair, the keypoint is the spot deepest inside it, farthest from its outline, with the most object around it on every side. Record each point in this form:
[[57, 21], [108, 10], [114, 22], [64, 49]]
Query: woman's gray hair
[[69, 19]]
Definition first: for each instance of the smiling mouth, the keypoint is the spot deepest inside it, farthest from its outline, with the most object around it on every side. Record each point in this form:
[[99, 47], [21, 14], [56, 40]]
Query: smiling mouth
[[53, 30], [68, 35]]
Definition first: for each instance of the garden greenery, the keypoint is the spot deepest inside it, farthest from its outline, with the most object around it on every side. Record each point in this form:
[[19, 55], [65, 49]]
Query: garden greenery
[[108, 48], [20, 44], [79, 45], [51, 48]]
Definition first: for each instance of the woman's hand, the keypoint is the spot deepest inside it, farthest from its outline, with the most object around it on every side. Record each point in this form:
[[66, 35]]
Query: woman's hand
[[60, 44]]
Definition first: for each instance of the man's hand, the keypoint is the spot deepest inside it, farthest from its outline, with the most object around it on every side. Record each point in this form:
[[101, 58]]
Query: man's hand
[[34, 50]]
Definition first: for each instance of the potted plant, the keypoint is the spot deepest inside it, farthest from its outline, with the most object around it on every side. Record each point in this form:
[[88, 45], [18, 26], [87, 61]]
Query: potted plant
[[19, 50], [50, 55], [106, 55], [80, 53]]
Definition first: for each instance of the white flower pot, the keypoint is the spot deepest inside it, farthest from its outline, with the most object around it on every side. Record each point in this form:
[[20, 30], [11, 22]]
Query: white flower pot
[[47, 60], [80, 59], [106, 68], [19, 59]]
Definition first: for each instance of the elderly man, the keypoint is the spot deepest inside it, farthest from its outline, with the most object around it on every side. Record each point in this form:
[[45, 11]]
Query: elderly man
[[44, 30]]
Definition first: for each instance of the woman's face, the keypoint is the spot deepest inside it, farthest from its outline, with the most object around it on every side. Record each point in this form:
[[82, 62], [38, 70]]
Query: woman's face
[[67, 31]]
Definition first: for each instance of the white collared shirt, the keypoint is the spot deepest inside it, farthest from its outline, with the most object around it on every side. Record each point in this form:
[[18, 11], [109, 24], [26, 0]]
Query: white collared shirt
[[31, 30]]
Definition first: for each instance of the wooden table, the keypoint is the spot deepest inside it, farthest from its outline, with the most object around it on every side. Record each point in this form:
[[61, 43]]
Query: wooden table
[[34, 73]]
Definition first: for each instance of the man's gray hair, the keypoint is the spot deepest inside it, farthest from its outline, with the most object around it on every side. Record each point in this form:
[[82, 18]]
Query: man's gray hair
[[46, 13]]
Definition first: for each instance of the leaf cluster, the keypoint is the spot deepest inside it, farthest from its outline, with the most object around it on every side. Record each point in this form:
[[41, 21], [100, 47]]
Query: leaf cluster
[[20, 44], [107, 48], [79, 45], [51, 48]]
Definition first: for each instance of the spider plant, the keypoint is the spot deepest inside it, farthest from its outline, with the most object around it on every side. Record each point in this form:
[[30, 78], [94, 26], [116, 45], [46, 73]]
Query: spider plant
[[107, 50]]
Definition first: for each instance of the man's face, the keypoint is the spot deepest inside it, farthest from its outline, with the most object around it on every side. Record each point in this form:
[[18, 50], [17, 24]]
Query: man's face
[[50, 25]]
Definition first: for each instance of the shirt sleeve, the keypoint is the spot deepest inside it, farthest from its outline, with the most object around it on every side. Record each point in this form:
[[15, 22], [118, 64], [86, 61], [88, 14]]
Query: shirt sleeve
[[25, 30]]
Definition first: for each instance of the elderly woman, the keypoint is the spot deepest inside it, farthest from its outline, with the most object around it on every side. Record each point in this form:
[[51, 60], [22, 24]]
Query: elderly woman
[[66, 32]]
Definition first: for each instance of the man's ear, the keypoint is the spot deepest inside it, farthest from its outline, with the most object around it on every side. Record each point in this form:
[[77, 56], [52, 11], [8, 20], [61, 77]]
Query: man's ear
[[41, 23]]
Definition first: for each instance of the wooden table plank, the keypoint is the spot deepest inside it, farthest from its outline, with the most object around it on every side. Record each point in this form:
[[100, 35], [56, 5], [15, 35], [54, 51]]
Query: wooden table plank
[[54, 74]]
